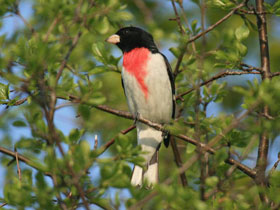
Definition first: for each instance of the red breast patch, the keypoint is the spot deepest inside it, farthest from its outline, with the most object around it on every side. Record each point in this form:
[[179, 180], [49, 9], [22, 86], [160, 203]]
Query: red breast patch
[[135, 63]]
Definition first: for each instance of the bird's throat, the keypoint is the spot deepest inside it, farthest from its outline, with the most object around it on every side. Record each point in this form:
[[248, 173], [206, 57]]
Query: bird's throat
[[135, 63]]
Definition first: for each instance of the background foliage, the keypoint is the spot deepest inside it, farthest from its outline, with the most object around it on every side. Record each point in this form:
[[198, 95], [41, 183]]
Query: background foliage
[[57, 70]]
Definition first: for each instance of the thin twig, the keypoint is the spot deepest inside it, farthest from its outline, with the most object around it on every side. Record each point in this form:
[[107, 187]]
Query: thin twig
[[178, 97], [50, 29], [18, 167], [247, 67], [112, 141], [95, 142], [235, 164], [63, 105], [178, 160], [265, 65], [178, 19], [3, 204], [275, 165], [253, 12], [210, 28], [23, 159], [26, 22], [217, 76], [64, 62], [195, 157]]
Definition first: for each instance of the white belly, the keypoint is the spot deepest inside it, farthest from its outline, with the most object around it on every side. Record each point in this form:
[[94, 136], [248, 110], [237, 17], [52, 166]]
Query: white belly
[[157, 107]]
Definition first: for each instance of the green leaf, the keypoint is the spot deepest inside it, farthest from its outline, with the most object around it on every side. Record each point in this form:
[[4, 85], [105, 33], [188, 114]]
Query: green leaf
[[19, 123], [97, 100], [212, 181], [125, 16], [8, 91], [98, 50], [97, 70], [103, 26], [34, 145], [242, 32], [4, 91], [175, 51], [75, 134], [84, 110], [242, 49], [193, 25], [191, 148], [191, 60]]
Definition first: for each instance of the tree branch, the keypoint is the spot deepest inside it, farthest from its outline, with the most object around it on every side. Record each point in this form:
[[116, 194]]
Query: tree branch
[[265, 65], [24, 159], [50, 29], [127, 115], [210, 28], [217, 76], [178, 97], [178, 19], [245, 169], [64, 62], [275, 165], [18, 167], [178, 160], [195, 157], [112, 141], [29, 26]]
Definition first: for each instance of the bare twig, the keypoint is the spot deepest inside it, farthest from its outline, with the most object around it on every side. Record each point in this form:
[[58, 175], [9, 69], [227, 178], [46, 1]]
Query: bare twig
[[178, 160], [64, 62], [253, 12], [112, 141], [217, 76], [26, 22], [178, 97], [195, 157], [95, 142], [176, 153], [265, 65], [275, 165], [18, 167], [274, 74], [3, 204], [127, 115], [63, 105], [57, 194], [245, 169], [178, 19], [23, 159], [247, 67], [50, 29], [210, 28], [234, 166]]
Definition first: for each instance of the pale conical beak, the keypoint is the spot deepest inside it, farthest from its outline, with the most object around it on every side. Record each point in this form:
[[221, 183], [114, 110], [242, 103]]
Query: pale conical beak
[[114, 39]]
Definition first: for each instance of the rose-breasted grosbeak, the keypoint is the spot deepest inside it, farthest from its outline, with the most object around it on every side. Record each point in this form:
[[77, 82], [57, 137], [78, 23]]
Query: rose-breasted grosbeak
[[149, 88]]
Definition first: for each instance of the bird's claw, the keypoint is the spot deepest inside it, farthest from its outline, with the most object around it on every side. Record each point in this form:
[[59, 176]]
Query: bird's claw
[[136, 118]]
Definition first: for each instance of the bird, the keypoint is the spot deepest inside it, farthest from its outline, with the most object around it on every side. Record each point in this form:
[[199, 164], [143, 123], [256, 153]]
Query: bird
[[149, 88]]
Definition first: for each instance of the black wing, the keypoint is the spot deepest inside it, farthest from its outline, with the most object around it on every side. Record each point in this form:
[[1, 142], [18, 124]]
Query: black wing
[[172, 83], [123, 86]]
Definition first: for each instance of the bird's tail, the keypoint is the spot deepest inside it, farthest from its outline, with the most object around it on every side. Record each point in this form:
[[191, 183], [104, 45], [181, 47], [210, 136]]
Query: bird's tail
[[150, 140]]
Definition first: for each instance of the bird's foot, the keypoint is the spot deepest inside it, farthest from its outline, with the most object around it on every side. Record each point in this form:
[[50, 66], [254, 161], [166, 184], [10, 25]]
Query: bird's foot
[[136, 118]]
